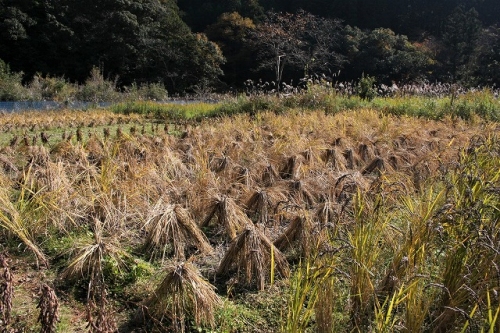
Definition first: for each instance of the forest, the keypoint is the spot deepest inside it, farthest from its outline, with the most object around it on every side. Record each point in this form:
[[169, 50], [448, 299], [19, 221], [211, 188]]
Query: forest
[[188, 45]]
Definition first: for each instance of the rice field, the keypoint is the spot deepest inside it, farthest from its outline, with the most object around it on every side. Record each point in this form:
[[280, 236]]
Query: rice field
[[275, 220]]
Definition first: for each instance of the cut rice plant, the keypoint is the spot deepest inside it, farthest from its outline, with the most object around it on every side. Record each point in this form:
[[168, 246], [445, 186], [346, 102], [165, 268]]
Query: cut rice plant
[[49, 309], [6, 290], [171, 226], [229, 215], [88, 256], [298, 235], [183, 294], [262, 204], [253, 256]]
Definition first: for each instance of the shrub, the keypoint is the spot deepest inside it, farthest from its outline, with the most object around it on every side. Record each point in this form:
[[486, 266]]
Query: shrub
[[11, 88], [366, 89], [147, 91], [51, 88], [97, 89]]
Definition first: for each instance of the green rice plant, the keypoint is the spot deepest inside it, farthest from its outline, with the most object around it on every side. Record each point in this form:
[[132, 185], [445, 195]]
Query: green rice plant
[[305, 299], [364, 238], [471, 226], [302, 299], [18, 217]]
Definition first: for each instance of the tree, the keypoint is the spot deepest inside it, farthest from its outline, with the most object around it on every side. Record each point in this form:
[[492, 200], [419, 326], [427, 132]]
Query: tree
[[202, 13], [460, 35], [132, 40], [486, 58], [387, 56], [306, 43], [232, 32]]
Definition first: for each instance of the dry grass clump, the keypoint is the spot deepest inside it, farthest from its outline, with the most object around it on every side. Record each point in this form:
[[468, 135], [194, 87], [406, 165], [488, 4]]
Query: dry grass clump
[[228, 215], [183, 294], [169, 227], [299, 233], [255, 257], [262, 204]]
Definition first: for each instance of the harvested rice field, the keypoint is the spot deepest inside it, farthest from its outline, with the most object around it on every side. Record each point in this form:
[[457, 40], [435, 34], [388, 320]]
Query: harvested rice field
[[300, 221]]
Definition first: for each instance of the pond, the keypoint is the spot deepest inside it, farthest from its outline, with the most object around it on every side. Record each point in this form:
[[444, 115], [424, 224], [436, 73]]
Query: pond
[[17, 106]]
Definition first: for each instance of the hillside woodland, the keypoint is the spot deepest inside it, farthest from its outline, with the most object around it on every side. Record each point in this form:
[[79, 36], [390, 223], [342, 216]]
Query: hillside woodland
[[191, 45]]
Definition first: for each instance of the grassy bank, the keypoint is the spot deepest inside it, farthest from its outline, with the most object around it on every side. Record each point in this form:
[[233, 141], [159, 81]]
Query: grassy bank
[[482, 104]]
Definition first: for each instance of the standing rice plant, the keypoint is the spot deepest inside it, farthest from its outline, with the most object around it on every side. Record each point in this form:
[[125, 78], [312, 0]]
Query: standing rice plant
[[471, 223], [18, 218], [369, 224], [306, 285], [254, 256], [184, 294]]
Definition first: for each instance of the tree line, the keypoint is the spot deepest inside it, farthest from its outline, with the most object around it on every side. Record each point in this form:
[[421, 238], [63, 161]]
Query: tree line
[[191, 44]]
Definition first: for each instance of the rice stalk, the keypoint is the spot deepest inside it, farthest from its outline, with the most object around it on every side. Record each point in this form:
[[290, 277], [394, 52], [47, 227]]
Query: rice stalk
[[184, 294], [298, 233], [6, 290], [88, 256], [306, 286], [170, 225], [49, 309], [15, 220], [229, 215], [250, 255]]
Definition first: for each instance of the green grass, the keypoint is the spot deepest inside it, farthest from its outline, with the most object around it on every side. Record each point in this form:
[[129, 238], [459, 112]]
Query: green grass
[[481, 104]]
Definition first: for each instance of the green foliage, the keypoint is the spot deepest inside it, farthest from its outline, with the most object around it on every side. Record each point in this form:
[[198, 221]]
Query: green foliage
[[97, 89], [366, 87], [148, 92], [51, 89], [11, 88]]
